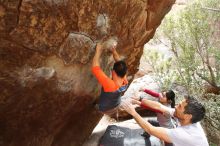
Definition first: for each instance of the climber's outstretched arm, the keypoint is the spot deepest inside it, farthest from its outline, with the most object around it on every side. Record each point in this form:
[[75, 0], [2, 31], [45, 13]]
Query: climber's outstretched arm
[[96, 58], [106, 82]]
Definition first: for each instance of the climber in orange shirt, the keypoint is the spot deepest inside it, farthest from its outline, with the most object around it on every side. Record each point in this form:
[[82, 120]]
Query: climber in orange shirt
[[112, 88]]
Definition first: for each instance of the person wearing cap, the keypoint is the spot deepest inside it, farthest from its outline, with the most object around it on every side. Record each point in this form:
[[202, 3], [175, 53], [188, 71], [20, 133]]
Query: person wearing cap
[[112, 88]]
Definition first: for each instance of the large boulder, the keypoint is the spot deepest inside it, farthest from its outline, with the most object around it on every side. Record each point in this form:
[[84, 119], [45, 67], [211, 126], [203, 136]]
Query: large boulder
[[47, 91]]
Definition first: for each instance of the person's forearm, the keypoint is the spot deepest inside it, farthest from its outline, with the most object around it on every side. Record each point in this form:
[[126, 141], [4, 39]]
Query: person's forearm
[[152, 104], [149, 108], [158, 132], [95, 61], [96, 58], [116, 56], [144, 124], [152, 93]]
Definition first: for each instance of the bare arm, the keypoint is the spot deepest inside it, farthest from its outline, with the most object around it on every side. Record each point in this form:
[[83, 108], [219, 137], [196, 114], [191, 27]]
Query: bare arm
[[154, 105], [135, 101], [152, 93], [156, 131], [115, 54], [96, 58]]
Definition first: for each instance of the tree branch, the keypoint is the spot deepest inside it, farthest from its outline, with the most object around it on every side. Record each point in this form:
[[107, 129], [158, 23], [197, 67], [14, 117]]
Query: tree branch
[[210, 69], [211, 9], [211, 121], [206, 79], [197, 82], [212, 74]]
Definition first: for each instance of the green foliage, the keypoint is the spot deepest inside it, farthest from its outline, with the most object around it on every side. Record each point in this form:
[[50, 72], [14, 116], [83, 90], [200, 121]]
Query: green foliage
[[193, 35], [161, 68]]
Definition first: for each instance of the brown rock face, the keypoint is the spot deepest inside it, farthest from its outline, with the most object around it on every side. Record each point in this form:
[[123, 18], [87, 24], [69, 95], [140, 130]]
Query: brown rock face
[[47, 90]]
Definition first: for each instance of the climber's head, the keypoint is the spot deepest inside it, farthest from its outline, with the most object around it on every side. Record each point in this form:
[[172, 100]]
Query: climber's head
[[120, 68], [119, 71]]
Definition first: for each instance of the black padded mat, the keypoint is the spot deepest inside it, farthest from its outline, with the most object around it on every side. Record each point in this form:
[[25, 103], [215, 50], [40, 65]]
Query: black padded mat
[[121, 136]]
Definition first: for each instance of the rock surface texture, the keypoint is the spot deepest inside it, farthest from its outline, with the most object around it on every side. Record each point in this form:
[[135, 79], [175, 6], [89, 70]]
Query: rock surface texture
[[47, 90]]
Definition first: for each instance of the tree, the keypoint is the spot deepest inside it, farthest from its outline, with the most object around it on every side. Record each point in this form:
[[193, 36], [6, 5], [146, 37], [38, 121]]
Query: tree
[[194, 42], [193, 35]]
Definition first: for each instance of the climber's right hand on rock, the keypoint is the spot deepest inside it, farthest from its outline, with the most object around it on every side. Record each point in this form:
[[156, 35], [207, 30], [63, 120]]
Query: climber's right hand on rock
[[113, 48]]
